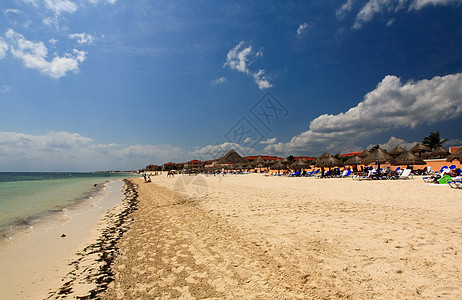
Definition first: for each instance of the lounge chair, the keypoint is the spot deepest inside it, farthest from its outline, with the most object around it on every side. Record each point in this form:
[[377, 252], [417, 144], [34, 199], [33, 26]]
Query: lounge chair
[[404, 175]]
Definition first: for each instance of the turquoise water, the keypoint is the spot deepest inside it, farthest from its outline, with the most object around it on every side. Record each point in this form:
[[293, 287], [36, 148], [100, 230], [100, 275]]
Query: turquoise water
[[29, 197]]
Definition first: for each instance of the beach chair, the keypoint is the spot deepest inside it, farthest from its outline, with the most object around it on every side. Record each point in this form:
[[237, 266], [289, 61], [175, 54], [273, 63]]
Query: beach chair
[[404, 175], [455, 184], [346, 173]]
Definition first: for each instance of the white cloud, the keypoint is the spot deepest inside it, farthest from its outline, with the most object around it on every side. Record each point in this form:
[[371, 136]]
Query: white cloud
[[60, 6], [34, 56], [11, 10], [419, 4], [302, 28], [105, 1], [3, 48], [82, 38], [64, 151], [238, 59], [393, 142], [218, 81], [261, 80], [346, 7], [269, 141], [390, 105], [53, 41], [374, 7]]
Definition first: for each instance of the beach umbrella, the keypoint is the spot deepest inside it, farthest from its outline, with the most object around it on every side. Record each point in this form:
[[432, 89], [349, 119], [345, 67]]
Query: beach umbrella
[[420, 148], [279, 166], [300, 164], [378, 156], [408, 158], [455, 156], [232, 157], [354, 161], [258, 160], [364, 154], [326, 160], [397, 151], [440, 152]]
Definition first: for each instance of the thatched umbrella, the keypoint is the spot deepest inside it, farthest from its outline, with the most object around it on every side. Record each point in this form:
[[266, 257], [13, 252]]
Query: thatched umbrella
[[420, 148], [408, 158], [364, 154], [232, 157], [397, 151], [378, 156], [258, 160], [455, 156], [354, 161], [279, 166], [440, 152], [326, 160], [300, 164]]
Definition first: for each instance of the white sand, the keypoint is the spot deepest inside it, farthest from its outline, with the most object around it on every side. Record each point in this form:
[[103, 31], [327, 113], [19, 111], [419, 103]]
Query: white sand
[[34, 263], [251, 236]]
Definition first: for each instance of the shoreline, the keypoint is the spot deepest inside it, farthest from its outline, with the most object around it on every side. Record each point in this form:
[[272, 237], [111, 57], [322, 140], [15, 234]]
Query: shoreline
[[92, 271], [35, 263]]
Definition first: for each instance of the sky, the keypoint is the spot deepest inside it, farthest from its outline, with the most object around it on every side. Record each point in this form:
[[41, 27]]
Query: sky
[[119, 84]]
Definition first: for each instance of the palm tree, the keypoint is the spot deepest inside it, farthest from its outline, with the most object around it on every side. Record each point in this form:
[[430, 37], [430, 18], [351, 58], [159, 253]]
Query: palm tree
[[433, 140]]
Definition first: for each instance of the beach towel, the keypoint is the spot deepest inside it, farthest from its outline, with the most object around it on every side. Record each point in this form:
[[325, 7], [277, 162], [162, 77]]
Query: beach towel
[[445, 179]]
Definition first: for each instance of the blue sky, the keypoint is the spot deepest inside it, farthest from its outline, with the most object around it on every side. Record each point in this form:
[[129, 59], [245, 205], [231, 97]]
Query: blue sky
[[117, 84]]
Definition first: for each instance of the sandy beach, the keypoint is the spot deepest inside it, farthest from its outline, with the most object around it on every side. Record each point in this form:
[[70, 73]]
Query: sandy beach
[[256, 237]]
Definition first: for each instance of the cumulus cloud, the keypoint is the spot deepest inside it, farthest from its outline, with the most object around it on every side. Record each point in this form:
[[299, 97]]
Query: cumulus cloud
[[238, 59], [34, 56], [302, 28], [374, 7], [82, 38], [394, 142], [219, 81], [105, 1], [64, 151], [390, 105]]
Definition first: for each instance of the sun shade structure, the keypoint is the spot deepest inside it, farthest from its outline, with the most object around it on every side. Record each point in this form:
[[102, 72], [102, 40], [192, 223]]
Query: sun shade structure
[[397, 151], [364, 154], [326, 160], [378, 156], [440, 152], [354, 161], [258, 160], [300, 164], [419, 149], [408, 158], [232, 157], [455, 156]]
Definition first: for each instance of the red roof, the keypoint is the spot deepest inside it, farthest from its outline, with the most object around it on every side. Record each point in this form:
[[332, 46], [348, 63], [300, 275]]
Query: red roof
[[194, 161], [169, 164], [264, 157], [351, 154], [305, 158]]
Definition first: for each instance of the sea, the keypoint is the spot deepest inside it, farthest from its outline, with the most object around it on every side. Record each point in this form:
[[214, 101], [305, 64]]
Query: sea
[[27, 198]]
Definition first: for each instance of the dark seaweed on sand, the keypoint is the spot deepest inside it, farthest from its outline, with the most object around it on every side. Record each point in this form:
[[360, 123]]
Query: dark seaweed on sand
[[106, 249]]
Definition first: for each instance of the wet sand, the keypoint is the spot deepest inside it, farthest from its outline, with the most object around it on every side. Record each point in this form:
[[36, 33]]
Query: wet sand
[[257, 237], [42, 261]]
